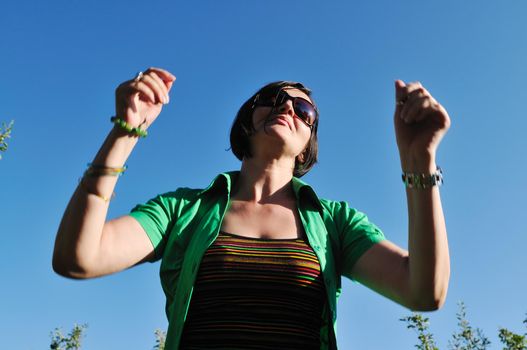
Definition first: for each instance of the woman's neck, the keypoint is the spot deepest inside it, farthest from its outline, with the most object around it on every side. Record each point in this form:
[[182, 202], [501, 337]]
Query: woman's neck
[[264, 182]]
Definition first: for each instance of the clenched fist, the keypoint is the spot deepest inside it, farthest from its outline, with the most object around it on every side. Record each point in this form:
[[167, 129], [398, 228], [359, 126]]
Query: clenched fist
[[420, 124], [139, 101]]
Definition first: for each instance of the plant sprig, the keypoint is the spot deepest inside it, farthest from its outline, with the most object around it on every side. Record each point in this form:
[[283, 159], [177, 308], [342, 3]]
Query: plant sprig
[[5, 133]]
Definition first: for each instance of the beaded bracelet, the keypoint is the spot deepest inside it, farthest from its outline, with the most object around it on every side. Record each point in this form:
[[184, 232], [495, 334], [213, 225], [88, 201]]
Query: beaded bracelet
[[422, 181], [130, 129]]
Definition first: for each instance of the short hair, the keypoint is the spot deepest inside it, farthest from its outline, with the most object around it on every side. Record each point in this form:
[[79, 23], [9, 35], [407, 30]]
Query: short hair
[[243, 128]]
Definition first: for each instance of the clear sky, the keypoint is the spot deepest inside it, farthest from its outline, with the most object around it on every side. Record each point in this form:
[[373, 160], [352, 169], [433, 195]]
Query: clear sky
[[61, 61]]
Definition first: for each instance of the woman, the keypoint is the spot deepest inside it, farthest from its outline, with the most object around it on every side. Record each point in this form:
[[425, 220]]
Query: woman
[[254, 260]]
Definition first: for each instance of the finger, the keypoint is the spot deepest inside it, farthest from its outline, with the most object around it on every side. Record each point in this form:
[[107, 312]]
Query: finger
[[409, 106], [433, 109], [400, 97], [169, 86], [130, 88], [414, 91], [167, 77], [430, 105], [414, 85], [417, 109], [406, 91], [161, 84], [154, 85], [400, 90], [163, 74], [144, 90]]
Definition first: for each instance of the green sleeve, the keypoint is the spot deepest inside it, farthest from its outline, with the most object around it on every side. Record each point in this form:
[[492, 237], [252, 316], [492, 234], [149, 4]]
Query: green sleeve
[[156, 217], [357, 235]]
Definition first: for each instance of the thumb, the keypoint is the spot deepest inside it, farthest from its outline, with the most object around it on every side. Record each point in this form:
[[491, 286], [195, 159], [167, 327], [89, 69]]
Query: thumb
[[399, 90], [400, 96]]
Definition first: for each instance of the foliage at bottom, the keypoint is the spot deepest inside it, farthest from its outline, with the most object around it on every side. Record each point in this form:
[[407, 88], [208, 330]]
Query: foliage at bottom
[[466, 337]]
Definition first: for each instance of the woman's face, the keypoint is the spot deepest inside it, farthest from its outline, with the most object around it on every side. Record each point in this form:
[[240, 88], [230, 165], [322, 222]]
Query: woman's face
[[279, 128]]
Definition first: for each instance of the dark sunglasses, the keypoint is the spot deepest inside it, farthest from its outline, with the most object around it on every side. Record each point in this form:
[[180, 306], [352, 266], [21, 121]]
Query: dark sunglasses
[[304, 110]]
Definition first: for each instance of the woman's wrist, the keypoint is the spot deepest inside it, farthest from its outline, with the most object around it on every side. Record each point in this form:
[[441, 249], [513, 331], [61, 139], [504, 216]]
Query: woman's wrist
[[424, 163], [118, 132], [116, 148], [137, 131]]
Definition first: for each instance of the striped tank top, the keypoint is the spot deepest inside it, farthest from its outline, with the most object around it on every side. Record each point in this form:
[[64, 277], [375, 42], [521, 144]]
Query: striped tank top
[[253, 293]]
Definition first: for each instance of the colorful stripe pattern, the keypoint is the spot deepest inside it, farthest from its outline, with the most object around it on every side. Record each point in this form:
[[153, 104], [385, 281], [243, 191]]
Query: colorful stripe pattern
[[253, 293]]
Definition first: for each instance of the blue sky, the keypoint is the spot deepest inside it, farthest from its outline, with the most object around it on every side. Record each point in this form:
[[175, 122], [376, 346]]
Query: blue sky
[[61, 61]]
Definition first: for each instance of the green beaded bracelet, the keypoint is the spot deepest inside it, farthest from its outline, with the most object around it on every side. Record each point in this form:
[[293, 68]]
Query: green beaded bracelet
[[124, 125]]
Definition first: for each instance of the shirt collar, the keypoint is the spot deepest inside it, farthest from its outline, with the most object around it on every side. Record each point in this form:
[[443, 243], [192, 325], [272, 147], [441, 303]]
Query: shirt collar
[[224, 182]]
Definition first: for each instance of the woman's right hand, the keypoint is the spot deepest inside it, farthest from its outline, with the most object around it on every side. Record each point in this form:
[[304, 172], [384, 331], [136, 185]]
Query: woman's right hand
[[139, 101]]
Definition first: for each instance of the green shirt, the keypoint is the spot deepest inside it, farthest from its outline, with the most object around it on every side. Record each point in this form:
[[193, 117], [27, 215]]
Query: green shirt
[[184, 223]]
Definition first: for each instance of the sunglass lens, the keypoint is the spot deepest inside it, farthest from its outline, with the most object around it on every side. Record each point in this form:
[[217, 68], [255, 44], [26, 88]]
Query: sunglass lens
[[304, 110]]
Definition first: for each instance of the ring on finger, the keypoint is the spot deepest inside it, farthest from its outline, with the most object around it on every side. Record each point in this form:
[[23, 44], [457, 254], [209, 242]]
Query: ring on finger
[[139, 76]]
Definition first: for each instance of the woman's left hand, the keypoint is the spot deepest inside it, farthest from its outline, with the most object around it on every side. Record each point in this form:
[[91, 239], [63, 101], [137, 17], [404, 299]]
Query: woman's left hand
[[420, 124]]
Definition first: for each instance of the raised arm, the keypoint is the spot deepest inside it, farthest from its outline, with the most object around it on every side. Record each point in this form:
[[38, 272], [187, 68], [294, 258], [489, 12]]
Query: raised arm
[[417, 278], [87, 245]]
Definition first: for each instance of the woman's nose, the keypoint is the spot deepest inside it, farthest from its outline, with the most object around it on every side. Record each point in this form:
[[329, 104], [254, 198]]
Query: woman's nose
[[287, 108]]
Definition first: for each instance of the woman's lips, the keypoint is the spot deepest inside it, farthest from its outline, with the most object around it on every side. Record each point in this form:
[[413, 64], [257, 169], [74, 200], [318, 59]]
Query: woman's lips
[[281, 119]]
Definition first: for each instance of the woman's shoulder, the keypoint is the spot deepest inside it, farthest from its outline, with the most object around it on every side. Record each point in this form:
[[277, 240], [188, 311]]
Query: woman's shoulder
[[333, 205], [218, 184], [181, 193], [340, 210]]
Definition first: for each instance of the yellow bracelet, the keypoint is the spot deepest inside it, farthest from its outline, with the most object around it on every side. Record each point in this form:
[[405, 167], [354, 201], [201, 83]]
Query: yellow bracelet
[[101, 170]]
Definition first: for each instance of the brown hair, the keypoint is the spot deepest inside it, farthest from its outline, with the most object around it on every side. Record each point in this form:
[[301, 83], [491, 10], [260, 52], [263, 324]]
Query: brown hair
[[243, 128]]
